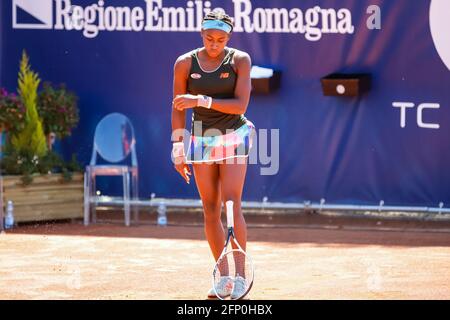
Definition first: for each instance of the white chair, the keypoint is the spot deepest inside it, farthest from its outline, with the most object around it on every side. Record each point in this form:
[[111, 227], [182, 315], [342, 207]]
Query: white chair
[[114, 141]]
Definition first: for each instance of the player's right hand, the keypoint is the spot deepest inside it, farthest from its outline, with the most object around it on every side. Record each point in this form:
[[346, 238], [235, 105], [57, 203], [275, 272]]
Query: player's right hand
[[183, 169]]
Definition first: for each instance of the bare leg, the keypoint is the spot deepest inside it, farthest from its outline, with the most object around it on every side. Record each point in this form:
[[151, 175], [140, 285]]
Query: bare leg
[[207, 180], [232, 179]]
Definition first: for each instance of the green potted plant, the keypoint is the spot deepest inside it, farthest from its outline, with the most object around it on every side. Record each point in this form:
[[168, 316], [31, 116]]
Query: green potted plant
[[12, 112], [28, 166], [58, 110]]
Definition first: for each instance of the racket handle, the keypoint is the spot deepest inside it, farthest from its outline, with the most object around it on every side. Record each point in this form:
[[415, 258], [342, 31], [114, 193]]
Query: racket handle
[[230, 217]]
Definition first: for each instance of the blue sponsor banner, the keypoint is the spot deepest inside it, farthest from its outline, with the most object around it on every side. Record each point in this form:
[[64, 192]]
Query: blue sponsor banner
[[389, 144]]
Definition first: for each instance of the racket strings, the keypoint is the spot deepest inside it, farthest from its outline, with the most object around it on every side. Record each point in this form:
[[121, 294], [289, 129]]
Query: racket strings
[[234, 265]]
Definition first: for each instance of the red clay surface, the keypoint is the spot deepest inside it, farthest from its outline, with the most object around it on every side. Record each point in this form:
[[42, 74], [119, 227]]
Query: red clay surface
[[111, 261]]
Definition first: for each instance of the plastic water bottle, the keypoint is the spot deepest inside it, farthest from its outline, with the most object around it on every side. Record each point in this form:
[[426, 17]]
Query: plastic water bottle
[[9, 218], [162, 217]]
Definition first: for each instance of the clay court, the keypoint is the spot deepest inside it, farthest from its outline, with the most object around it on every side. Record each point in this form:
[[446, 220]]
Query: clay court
[[374, 260]]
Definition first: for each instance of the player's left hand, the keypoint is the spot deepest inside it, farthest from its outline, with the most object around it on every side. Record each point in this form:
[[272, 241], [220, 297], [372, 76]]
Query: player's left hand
[[185, 101]]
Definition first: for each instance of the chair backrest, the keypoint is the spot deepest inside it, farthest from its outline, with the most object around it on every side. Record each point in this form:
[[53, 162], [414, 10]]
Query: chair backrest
[[114, 139]]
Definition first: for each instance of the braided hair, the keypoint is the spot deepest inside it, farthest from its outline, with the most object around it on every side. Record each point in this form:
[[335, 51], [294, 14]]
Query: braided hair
[[218, 14]]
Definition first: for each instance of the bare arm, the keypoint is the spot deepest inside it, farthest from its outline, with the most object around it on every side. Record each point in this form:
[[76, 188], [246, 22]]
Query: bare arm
[[181, 73], [239, 104]]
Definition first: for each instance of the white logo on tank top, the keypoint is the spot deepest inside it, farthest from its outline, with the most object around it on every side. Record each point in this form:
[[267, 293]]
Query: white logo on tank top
[[196, 76]]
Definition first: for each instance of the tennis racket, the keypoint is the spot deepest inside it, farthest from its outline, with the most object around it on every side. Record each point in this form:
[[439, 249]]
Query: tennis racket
[[233, 273]]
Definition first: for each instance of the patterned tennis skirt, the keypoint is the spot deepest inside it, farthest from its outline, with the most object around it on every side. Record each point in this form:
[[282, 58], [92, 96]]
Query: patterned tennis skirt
[[236, 144]]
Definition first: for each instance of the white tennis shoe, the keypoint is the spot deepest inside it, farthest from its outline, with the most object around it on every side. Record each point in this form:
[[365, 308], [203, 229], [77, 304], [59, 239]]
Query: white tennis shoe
[[224, 288], [239, 288]]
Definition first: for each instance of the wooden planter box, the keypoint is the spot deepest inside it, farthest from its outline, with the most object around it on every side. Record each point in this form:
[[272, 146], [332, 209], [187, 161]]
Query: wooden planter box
[[48, 197]]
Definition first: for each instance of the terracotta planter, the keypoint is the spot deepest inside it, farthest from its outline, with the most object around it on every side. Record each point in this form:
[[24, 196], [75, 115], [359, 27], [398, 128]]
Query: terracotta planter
[[48, 197]]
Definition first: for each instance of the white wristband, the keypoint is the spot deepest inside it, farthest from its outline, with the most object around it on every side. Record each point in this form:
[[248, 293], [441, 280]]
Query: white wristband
[[204, 101], [178, 149]]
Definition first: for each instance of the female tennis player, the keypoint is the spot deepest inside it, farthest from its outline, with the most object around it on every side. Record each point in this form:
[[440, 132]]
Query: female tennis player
[[214, 81]]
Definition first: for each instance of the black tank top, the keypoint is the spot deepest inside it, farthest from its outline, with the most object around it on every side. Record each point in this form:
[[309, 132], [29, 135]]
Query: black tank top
[[218, 84]]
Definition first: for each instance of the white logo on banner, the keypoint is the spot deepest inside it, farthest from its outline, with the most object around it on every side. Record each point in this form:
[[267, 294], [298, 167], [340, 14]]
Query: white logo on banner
[[404, 106], [155, 17], [41, 10], [440, 28]]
